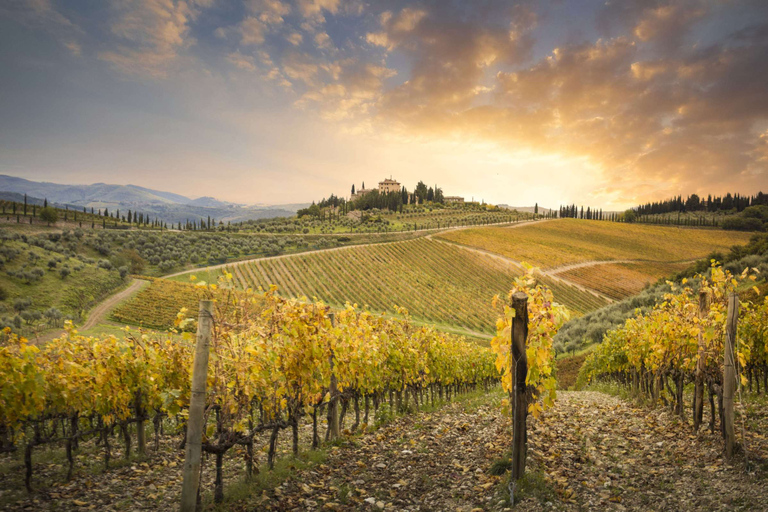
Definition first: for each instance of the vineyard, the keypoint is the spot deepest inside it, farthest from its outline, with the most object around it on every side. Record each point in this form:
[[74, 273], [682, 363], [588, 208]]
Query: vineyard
[[556, 243], [411, 218], [437, 283], [618, 281], [274, 364], [691, 338], [156, 306]]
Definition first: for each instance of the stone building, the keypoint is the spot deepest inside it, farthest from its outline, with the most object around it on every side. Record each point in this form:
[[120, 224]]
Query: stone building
[[389, 185]]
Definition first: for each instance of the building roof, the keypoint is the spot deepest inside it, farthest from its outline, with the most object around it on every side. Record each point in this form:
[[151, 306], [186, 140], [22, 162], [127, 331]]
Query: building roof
[[389, 181]]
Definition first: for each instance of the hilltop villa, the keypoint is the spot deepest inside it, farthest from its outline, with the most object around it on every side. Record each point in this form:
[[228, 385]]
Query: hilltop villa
[[385, 187]]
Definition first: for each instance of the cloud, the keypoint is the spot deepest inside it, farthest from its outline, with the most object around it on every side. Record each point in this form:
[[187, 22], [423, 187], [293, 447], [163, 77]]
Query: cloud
[[314, 8], [42, 14], [323, 41], [450, 54], [241, 61], [665, 23], [295, 38], [150, 34], [252, 31], [662, 98], [687, 122]]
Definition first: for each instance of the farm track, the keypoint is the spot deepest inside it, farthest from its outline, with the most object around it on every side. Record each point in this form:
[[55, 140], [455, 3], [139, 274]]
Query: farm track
[[334, 277], [99, 313], [552, 273], [451, 286], [590, 452], [268, 258]]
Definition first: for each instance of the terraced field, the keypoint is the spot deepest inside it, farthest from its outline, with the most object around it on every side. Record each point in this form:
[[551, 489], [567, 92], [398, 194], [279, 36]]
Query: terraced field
[[621, 280], [552, 244], [435, 282]]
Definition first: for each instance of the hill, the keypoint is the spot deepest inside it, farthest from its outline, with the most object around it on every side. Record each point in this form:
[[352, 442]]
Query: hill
[[49, 278], [87, 195], [614, 259], [436, 282], [167, 206], [556, 243]]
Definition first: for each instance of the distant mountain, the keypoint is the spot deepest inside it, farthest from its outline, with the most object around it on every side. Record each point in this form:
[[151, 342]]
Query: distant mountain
[[94, 195], [210, 202], [166, 206], [291, 207], [527, 209]]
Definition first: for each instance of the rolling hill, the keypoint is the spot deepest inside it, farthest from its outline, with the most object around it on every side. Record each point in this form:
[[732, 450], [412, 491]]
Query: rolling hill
[[167, 206]]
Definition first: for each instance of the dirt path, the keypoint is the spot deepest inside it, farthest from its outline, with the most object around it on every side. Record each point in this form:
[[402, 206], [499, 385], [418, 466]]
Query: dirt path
[[346, 247], [591, 452], [585, 264], [98, 313], [549, 273]]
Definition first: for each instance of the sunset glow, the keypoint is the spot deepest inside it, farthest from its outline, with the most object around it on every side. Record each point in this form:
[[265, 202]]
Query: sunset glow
[[608, 103]]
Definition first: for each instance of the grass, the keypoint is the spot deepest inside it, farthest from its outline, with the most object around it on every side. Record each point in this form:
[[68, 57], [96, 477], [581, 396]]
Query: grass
[[533, 486], [72, 295], [566, 241], [247, 492]]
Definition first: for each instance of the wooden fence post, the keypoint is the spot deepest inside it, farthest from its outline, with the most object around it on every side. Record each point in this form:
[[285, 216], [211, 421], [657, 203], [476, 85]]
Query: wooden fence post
[[333, 406], [519, 372], [729, 371], [195, 425], [698, 393]]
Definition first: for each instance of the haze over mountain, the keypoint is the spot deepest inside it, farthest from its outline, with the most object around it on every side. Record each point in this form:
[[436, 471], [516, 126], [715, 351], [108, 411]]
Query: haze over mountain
[[167, 206]]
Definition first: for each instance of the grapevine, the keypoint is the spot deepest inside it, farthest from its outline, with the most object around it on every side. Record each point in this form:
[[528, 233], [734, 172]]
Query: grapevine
[[271, 364]]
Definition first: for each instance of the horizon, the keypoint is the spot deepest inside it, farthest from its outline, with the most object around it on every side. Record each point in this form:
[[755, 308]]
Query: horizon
[[268, 102]]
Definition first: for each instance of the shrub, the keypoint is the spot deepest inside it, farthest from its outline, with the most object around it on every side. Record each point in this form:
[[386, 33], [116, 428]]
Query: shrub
[[64, 272], [743, 224], [49, 215]]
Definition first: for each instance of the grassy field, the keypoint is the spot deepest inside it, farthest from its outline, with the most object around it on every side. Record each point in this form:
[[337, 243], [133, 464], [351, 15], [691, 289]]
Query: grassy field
[[436, 282], [45, 283], [561, 242], [621, 280]]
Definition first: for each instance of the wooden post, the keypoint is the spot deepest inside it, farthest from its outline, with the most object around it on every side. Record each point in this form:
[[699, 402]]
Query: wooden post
[[195, 424], [333, 406], [698, 393], [519, 372], [729, 371]]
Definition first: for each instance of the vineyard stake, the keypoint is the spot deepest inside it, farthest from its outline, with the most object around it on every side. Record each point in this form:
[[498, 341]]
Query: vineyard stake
[[520, 371], [333, 406], [197, 409], [729, 371], [698, 395]]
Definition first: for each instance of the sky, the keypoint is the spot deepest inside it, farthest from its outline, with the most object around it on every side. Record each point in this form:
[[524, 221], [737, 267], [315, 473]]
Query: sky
[[603, 103]]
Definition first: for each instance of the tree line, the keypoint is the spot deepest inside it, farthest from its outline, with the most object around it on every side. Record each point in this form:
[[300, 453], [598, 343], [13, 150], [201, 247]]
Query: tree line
[[710, 204], [375, 199]]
